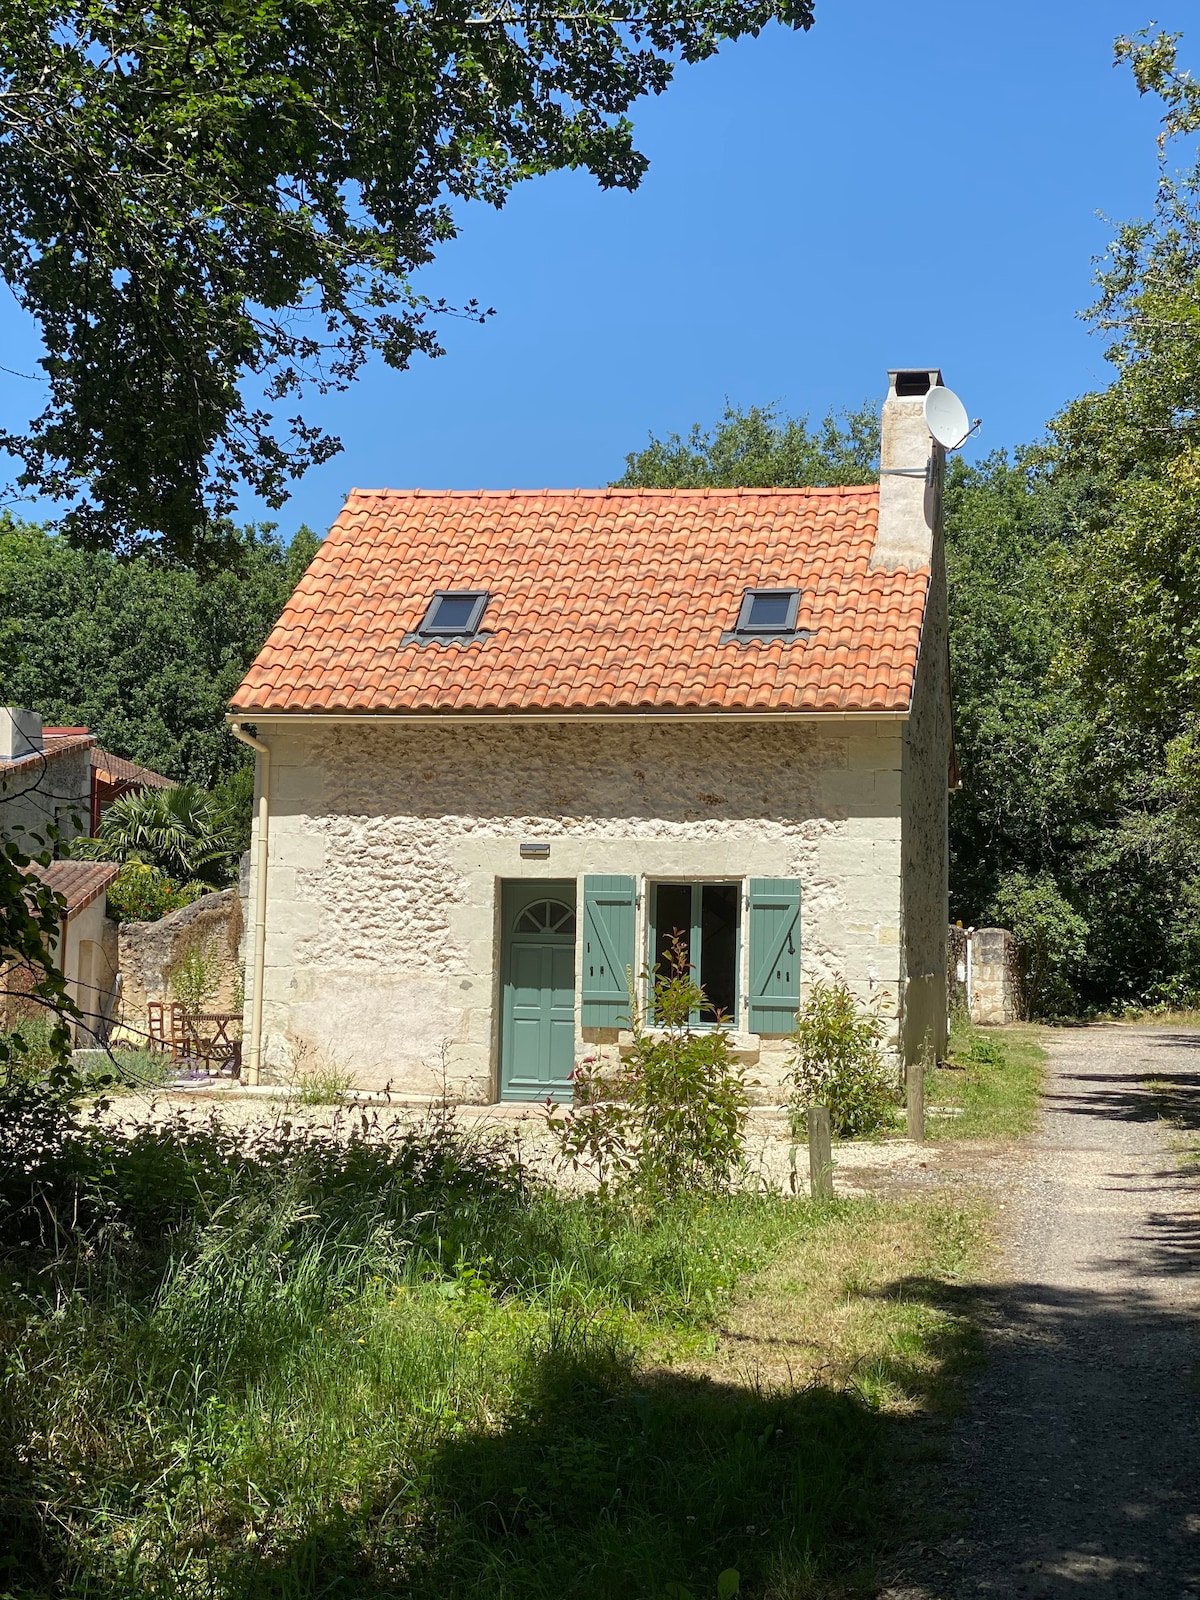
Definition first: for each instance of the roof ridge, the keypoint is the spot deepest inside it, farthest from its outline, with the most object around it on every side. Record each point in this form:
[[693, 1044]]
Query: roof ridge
[[614, 492]]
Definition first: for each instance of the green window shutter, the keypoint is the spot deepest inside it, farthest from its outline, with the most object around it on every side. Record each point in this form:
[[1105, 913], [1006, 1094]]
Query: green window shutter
[[774, 954], [608, 949]]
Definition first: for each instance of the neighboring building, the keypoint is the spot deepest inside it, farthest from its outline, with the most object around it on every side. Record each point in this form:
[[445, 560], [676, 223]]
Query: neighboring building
[[86, 954], [57, 778], [60, 775], [45, 780], [113, 777], [85, 951], [513, 739]]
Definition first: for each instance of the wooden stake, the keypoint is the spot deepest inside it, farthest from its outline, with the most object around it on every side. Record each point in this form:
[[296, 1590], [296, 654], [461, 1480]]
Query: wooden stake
[[820, 1153], [915, 1087]]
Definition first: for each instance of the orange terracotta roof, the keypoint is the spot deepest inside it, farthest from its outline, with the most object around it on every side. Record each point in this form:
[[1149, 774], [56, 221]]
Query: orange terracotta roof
[[79, 882], [602, 600], [118, 770]]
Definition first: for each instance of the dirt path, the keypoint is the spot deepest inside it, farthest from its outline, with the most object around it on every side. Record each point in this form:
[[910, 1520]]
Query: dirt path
[[1081, 1451]]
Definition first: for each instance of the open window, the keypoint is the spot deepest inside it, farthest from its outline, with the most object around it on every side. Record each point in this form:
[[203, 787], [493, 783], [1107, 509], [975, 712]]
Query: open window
[[706, 915]]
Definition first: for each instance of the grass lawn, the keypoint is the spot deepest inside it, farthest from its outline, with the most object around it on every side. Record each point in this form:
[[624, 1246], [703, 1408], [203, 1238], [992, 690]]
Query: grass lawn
[[283, 1364], [989, 1085]]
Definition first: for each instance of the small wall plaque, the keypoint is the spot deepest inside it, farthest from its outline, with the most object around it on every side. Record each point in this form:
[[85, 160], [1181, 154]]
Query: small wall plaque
[[535, 852]]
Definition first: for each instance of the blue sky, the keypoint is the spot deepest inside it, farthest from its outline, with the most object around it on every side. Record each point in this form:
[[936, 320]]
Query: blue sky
[[911, 181]]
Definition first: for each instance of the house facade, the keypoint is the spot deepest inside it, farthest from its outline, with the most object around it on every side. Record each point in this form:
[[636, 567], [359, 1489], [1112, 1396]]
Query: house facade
[[509, 743], [86, 950]]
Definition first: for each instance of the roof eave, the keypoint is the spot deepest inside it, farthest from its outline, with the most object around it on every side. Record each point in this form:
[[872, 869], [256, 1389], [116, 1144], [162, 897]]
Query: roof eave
[[834, 714]]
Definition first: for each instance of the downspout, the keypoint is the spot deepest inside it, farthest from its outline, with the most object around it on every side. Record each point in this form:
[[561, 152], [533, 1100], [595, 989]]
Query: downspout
[[258, 959]]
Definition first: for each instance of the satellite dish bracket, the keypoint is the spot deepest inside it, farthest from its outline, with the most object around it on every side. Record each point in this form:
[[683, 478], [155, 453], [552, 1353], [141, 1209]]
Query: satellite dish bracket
[[928, 471]]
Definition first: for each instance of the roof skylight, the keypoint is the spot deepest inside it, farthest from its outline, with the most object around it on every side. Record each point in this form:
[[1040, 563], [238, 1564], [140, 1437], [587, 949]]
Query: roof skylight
[[769, 613], [454, 614]]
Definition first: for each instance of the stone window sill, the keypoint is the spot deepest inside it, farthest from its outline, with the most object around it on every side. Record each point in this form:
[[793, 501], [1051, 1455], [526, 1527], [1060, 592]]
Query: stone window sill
[[744, 1046]]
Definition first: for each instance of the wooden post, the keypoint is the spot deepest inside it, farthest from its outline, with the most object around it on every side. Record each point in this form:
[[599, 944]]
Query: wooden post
[[914, 1079], [820, 1153]]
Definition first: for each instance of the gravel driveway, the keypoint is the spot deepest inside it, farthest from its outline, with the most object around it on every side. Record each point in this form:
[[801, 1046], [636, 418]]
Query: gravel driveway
[[1081, 1451]]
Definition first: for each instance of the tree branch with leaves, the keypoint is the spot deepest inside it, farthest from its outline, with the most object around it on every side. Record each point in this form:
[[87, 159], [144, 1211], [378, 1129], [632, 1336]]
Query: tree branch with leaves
[[200, 201]]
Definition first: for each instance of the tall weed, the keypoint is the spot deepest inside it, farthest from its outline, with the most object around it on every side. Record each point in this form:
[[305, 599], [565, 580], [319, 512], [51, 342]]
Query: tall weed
[[377, 1360]]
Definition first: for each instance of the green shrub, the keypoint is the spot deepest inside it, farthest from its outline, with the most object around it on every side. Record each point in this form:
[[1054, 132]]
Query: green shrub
[[141, 893], [181, 830], [1174, 994], [197, 975], [838, 1064], [671, 1119], [34, 1057]]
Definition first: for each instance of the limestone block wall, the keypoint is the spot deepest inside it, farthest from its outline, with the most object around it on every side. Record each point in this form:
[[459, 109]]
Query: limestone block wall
[[925, 818], [149, 952], [994, 989], [389, 841]]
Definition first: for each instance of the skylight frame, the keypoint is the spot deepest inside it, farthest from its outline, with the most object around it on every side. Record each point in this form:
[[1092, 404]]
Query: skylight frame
[[746, 628], [427, 628]]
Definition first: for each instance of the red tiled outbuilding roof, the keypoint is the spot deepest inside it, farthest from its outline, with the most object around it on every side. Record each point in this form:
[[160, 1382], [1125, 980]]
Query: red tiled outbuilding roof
[[79, 882], [119, 771], [601, 601]]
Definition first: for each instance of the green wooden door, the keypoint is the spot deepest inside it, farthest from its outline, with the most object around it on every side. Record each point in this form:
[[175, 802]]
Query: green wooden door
[[537, 1049]]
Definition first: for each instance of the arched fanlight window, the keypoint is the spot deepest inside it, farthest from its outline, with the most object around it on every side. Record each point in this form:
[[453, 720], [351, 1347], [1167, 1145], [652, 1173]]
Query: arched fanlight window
[[546, 916]]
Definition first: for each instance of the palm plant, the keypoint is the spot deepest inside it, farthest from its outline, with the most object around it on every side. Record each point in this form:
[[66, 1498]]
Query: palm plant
[[180, 831]]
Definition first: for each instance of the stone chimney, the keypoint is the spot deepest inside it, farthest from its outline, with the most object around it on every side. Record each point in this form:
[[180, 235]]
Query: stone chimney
[[20, 733], [912, 465]]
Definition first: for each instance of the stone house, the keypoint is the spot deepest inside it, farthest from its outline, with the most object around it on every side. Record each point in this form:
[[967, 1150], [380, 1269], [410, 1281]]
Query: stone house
[[45, 780], [86, 949], [507, 742], [54, 786], [45, 801]]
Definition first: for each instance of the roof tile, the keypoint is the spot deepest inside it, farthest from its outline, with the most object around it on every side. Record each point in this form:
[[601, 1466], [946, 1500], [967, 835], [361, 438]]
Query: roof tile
[[602, 600]]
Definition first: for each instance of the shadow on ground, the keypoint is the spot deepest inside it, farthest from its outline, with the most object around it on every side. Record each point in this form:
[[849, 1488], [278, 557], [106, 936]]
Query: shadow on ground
[[607, 1485], [1077, 1466], [1083, 1462], [606, 1482]]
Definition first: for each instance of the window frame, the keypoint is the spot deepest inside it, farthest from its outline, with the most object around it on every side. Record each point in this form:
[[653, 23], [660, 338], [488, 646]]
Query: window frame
[[480, 597], [695, 933], [744, 628]]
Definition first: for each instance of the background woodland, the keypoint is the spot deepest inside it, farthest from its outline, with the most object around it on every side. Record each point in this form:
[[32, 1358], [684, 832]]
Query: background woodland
[[1074, 572]]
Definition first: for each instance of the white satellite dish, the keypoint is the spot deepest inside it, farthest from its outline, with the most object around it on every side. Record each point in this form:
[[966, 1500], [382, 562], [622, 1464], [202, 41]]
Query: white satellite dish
[[946, 417]]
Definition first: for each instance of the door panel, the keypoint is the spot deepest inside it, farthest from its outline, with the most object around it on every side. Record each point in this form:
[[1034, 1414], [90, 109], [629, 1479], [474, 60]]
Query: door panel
[[537, 1050]]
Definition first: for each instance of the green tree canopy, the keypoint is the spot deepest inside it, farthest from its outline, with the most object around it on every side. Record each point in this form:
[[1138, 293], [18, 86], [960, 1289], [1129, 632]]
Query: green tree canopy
[[759, 449], [1130, 454], [200, 200], [144, 654]]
